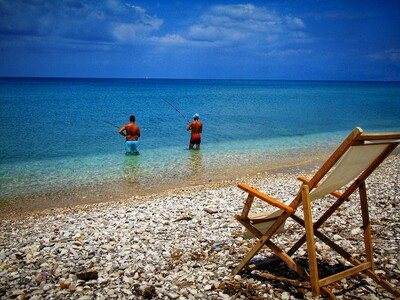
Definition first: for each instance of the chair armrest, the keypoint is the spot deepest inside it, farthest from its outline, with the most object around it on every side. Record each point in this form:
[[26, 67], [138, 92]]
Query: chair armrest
[[303, 179], [266, 198]]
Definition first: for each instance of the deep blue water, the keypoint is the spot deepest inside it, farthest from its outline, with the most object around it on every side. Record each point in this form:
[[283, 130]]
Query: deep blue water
[[55, 133]]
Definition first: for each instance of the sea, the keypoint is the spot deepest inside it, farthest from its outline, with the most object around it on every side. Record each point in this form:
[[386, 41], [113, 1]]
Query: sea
[[60, 142]]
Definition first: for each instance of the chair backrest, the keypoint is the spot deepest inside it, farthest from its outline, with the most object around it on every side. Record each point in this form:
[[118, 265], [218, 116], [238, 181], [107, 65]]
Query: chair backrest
[[353, 161]]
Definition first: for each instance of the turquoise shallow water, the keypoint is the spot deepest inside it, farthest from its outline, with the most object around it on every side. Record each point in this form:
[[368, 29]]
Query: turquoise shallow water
[[56, 137]]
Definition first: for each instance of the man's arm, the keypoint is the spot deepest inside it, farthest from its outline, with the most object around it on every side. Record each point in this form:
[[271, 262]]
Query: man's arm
[[121, 131], [189, 127]]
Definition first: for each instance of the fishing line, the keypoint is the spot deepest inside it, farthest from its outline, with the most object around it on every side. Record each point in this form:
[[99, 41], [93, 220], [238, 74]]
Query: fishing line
[[177, 110]]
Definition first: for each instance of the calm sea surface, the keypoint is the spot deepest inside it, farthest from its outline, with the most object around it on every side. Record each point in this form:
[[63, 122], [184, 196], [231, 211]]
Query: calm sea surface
[[56, 135]]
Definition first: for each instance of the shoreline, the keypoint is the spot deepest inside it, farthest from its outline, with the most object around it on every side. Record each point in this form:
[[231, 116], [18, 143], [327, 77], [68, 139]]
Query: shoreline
[[121, 191], [183, 244]]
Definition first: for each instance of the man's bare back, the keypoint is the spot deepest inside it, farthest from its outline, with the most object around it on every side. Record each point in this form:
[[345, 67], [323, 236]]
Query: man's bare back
[[132, 132], [197, 128]]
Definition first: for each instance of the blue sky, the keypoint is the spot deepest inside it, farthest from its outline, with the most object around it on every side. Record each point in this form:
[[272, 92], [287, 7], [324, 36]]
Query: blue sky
[[293, 40]]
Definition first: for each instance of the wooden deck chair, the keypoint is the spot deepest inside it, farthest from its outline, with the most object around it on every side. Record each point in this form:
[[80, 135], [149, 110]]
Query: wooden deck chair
[[348, 167]]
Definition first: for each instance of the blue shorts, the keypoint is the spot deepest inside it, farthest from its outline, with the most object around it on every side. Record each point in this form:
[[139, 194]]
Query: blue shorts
[[132, 147]]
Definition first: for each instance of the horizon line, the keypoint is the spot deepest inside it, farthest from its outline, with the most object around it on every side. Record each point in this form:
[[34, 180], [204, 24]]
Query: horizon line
[[215, 79]]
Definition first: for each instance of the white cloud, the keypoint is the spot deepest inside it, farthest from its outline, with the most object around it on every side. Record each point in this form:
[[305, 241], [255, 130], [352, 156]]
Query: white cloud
[[295, 22], [172, 39], [241, 12], [245, 24], [84, 20], [210, 33], [116, 22], [131, 31], [287, 52], [125, 32]]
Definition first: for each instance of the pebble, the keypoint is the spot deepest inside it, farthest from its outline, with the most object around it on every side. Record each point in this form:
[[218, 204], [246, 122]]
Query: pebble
[[183, 244], [285, 296]]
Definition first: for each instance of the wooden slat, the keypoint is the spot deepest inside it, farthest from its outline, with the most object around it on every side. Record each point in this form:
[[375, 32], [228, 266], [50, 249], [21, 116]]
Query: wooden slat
[[312, 254], [335, 247], [369, 253], [344, 274], [247, 206], [323, 238], [270, 277], [266, 198], [328, 293], [261, 242], [383, 283], [379, 136], [296, 246], [249, 227], [288, 260], [260, 220], [330, 211]]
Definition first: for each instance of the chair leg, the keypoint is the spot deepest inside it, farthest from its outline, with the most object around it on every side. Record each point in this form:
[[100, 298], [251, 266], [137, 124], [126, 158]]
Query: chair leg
[[369, 252], [312, 254], [247, 207], [261, 242]]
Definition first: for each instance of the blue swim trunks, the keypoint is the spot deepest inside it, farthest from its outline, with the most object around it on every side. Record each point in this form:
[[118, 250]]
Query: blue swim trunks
[[132, 147]]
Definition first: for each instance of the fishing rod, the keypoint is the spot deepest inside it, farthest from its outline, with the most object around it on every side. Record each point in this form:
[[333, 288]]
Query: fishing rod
[[177, 110], [111, 124], [116, 126]]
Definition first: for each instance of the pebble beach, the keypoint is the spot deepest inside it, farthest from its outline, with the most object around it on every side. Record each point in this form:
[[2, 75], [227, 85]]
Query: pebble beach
[[184, 244]]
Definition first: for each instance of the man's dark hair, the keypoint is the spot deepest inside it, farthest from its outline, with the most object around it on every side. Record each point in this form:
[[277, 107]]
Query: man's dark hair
[[132, 118]]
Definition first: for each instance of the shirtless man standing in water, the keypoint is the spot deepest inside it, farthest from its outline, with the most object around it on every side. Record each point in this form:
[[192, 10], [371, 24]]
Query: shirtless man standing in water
[[196, 127], [131, 134]]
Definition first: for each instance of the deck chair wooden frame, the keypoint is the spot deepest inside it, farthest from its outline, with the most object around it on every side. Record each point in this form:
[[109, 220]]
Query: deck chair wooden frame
[[383, 144]]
